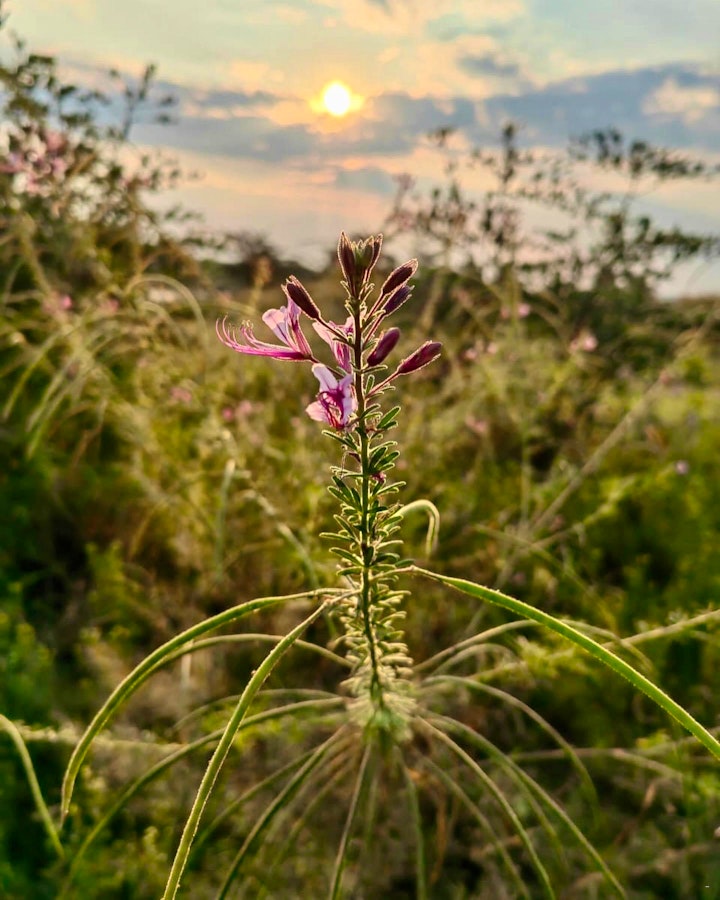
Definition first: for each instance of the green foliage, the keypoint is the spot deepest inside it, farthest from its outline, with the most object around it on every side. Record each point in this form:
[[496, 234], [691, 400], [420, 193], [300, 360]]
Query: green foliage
[[568, 437]]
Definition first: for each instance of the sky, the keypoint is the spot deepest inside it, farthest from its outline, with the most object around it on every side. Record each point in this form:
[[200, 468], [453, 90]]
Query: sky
[[249, 75]]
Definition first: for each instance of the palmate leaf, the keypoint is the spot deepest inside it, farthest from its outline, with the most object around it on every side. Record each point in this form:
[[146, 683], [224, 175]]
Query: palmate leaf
[[607, 657]]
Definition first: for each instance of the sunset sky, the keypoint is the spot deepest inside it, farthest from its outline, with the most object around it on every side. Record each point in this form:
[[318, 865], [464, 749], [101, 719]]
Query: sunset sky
[[249, 75]]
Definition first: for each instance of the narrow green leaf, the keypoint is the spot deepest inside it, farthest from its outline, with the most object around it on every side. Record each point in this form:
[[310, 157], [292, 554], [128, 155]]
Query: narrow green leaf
[[595, 649], [476, 812], [341, 858], [421, 891], [12, 731], [502, 801], [504, 760], [388, 420], [277, 805], [223, 748], [150, 664]]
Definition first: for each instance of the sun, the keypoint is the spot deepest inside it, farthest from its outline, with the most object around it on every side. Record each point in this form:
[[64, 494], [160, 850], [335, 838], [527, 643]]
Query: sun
[[337, 99]]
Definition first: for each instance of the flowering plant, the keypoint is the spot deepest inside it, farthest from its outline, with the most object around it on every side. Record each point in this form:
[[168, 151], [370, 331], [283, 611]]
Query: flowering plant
[[393, 724]]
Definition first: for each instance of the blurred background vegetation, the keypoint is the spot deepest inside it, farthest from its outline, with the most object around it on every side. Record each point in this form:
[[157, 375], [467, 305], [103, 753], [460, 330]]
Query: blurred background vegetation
[[148, 478]]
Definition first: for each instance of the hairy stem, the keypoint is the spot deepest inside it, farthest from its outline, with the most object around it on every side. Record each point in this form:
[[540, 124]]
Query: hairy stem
[[366, 535]]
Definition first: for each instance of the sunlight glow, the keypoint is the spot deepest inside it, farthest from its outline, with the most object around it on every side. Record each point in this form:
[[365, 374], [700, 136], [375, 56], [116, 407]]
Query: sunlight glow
[[337, 99]]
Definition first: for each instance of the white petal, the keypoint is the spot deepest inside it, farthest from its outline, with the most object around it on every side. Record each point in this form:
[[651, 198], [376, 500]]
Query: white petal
[[316, 411], [328, 382], [277, 321]]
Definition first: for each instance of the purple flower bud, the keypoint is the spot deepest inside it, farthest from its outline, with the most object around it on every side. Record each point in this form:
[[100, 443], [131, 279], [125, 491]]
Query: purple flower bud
[[297, 293], [397, 298], [357, 260], [398, 277], [347, 259], [384, 346], [367, 253], [425, 354]]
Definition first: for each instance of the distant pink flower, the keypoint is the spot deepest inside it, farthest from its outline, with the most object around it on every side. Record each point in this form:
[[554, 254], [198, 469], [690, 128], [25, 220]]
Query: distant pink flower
[[55, 141], [12, 165], [480, 427], [682, 467], [57, 303], [243, 409], [523, 310], [586, 342], [181, 394], [335, 402], [283, 322]]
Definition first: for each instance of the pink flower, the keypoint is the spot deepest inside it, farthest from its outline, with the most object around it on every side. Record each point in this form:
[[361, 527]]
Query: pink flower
[[586, 342], [283, 322], [479, 426], [335, 402], [12, 165], [341, 351], [181, 394]]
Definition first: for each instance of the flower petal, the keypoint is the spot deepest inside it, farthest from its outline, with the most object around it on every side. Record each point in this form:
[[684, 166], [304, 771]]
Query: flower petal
[[328, 382], [317, 411]]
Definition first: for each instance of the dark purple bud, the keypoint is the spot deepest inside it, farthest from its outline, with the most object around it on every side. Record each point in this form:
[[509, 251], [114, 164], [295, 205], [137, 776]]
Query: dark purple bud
[[297, 293], [397, 298], [347, 259], [357, 260], [429, 351], [398, 277], [384, 346]]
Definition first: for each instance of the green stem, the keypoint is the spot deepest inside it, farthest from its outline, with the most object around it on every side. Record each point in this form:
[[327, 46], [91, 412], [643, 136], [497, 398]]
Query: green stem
[[366, 537]]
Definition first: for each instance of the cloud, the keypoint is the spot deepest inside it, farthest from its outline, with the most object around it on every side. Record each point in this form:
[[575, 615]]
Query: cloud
[[690, 103], [624, 99], [490, 64], [368, 180], [413, 17], [674, 105], [240, 137]]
